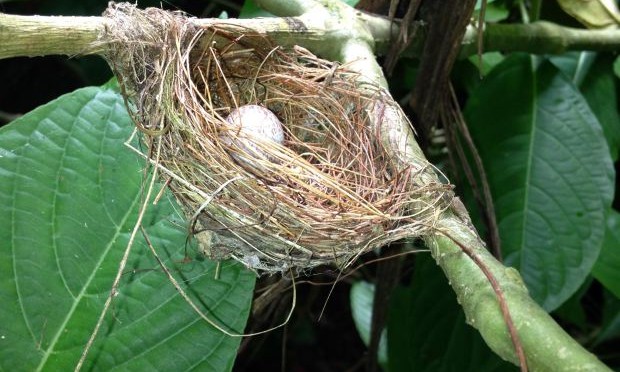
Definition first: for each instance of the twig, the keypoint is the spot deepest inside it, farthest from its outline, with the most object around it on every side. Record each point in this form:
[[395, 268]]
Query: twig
[[481, 15], [30, 36], [487, 203], [404, 36]]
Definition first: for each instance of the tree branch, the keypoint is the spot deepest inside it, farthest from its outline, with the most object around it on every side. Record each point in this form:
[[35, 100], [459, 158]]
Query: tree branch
[[547, 346], [539, 38], [31, 36]]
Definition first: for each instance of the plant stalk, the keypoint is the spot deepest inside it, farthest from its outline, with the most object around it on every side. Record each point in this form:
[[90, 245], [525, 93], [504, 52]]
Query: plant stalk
[[31, 36], [547, 346]]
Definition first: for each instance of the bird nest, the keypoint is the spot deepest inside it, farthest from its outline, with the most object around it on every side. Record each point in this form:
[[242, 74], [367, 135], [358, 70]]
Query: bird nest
[[328, 192]]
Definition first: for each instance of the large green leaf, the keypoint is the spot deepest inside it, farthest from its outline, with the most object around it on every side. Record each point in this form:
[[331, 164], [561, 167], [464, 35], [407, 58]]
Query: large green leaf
[[607, 268], [427, 329], [69, 194], [599, 90], [550, 173], [593, 74]]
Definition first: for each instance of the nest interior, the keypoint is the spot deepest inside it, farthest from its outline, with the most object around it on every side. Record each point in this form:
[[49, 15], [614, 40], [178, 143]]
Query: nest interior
[[329, 192]]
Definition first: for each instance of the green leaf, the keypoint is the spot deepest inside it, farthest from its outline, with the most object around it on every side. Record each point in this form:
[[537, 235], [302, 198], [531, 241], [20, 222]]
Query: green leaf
[[489, 61], [592, 73], [351, 3], [550, 174], [594, 13], [427, 329], [575, 65], [616, 67], [599, 90], [607, 268], [251, 10], [610, 327], [572, 310], [494, 11], [362, 298], [69, 194]]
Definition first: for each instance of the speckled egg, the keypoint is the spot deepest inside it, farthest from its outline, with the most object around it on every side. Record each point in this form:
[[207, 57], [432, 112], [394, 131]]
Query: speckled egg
[[249, 124]]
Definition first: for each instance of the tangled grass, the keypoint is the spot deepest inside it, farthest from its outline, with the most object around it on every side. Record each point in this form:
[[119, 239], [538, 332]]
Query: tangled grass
[[329, 193]]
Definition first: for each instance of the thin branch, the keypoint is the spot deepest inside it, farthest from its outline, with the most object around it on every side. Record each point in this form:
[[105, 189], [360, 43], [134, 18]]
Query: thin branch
[[539, 38], [485, 198], [405, 37], [480, 41], [534, 13], [30, 36]]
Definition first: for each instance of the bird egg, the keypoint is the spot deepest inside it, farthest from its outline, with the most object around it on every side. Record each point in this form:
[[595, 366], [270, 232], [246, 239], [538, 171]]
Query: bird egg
[[249, 124]]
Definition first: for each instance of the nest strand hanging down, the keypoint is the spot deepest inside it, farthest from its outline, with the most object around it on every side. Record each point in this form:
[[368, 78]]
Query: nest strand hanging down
[[322, 190]]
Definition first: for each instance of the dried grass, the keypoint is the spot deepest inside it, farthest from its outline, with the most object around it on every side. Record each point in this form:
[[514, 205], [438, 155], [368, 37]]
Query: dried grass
[[329, 193]]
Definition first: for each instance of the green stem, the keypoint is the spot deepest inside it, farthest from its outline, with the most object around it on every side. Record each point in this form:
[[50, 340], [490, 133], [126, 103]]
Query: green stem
[[30, 36], [540, 38], [547, 346]]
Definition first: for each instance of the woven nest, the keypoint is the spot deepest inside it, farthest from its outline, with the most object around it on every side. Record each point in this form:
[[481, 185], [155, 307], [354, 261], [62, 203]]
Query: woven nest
[[328, 193]]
